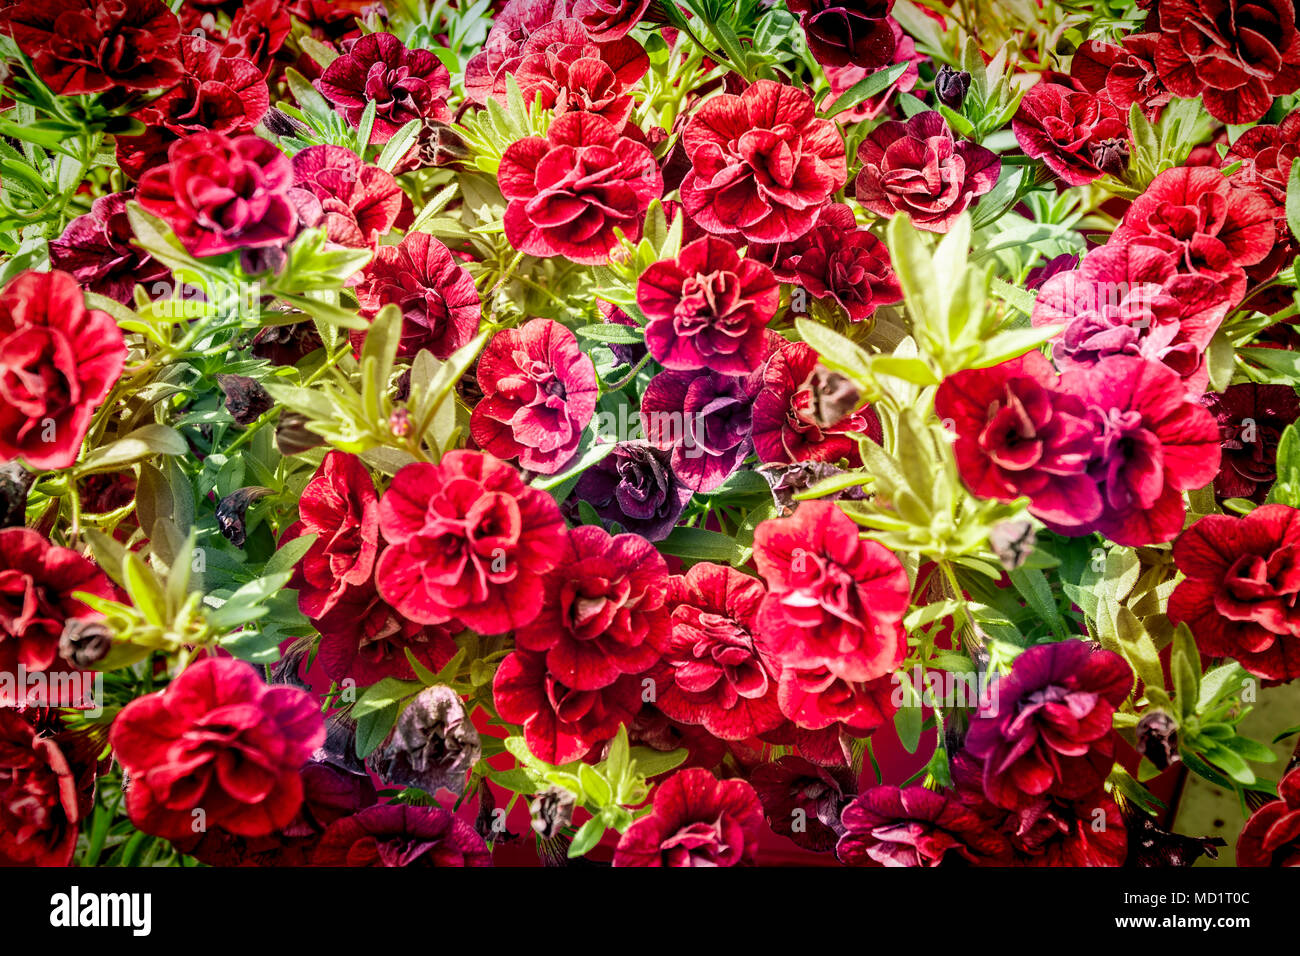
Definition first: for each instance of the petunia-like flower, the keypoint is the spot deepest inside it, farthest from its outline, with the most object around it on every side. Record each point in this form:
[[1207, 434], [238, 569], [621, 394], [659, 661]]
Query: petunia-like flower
[[847, 32], [1235, 54], [913, 826], [393, 834], [440, 305], [806, 413], [1125, 73], [40, 804], [603, 614], [844, 78], [1241, 590], [610, 19], [511, 28], [715, 670], [1271, 837], [467, 540], [919, 168], [1079, 136], [96, 250], [1264, 156], [560, 723], [219, 741], [704, 420], [695, 820], [539, 393], [88, 46], [708, 308], [1251, 420], [568, 192], [803, 801], [635, 486], [221, 194], [834, 600], [217, 93], [403, 84], [1045, 728], [816, 699], [762, 164], [354, 202], [257, 32], [58, 360]]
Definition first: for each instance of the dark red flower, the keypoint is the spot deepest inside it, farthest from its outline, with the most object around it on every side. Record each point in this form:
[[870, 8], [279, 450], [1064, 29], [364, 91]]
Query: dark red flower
[[223, 194], [1126, 73], [216, 748], [762, 164], [467, 540], [635, 486], [815, 699], [58, 360], [803, 801], [401, 835], [696, 820], [96, 250], [257, 32], [403, 84], [568, 192], [847, 32], [610, 19], [912, 826], [1241, 590], [1271, 837], [1265, 155], [703, 419], [708, 308], [364, 639], [1079, 136], [218, 93], [87, 46], [518, 20], [539, 394], [917, 167], [1251, 420], [40, 803], [354, 202], [844, 78]]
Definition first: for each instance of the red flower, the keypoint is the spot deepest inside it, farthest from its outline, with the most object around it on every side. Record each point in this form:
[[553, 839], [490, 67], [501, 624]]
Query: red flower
[[354, 202], [539, 393], [401, 835], [1271, 837], [1265, 154], [917, 167], [604, 613], [1240, 594], [762, 164], [844, 32], [218, 93], [844, 78], [704, 418], [803, 801], [58, 360], [518, 20], [912, 826], [1251, 421], [363, 638], [569, 191], [708, 308], [40, 804], [219, 741], [467, 540], [1236, 55], [96, 250], [696, 820], [715, 670], [440, 305], [1125, 73], [610, 19], [257, 32], [403, 84], [834, 600], [87, 46], [221, 194], [816, 699], [1079, 136], [560, 724]]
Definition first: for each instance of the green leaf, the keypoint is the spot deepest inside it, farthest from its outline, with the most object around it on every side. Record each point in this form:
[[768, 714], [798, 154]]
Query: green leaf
[[864, 89], [907, 720], [145, 441], [1293, 200], [652, 763], [611, 333], [699, 544], [1185, 664], [373, 728], [585, 840], [397, 147], [1286, 490], [289, 554]]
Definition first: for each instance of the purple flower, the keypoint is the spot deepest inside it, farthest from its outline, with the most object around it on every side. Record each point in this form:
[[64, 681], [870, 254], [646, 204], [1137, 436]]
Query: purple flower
[[634, 485], [96, 248], [704, 420]]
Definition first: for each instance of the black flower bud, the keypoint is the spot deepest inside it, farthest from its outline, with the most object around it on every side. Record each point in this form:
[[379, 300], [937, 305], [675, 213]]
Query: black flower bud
[[951, 86], [433, 746], [1110, 155], [246, 399], [231, 511], [15, 482], [293, 437], [1157, 738], [834, 396]]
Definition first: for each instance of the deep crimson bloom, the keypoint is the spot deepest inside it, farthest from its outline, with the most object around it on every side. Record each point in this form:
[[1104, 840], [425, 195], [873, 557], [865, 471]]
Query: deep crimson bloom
[[401, 835], [518, 20], [1079, 136], [218, 740], [1251, 420], [560, 724], [218, 93], [801, 413], [708, 308], [1045, 728], [834, 599], [609, 19], [1271, 837], [604, 612], [569, 191], [917, 167], [803, 801], [1235, 54], [635, 486], [1240, 594], [1265, 155], [96, 250], [715, 670], [762, 164], [403, 84], [1130, 299], [440, 305], [847, 32], [340, 507], [1126, 73], [539, 393], [354, 202], [222, 194], [58, 360], [703, 419], [87, 46], [815, 699], [912, 826], [844, 78], [696, 820], [467, 540], [40, 802], [258, 31]]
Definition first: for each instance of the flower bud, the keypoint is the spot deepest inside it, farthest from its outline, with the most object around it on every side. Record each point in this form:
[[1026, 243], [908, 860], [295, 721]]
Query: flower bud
[[951, 86]]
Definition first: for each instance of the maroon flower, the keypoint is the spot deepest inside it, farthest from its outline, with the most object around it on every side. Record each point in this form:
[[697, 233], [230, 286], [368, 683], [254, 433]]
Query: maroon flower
[[635, 486], [96, 250], [610, 19], [1265, 155], [708, 308], [844, 78], [87, 46], [403, 84], [467, 540], [518, 20], [1126, 73], [216, 748], [258, 31], [1251, 420], [364, 639], [40, 803], [912, 826], [762, 164], [401, 835], [1240, 594], [354, 202], [568, 192], [221, 194], [1271, 837], [218, 93], [917, 167], [803, 801], [696, 820], [1079, 136], [847, 32], [58, 360], [539, 393], [703, 419]]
